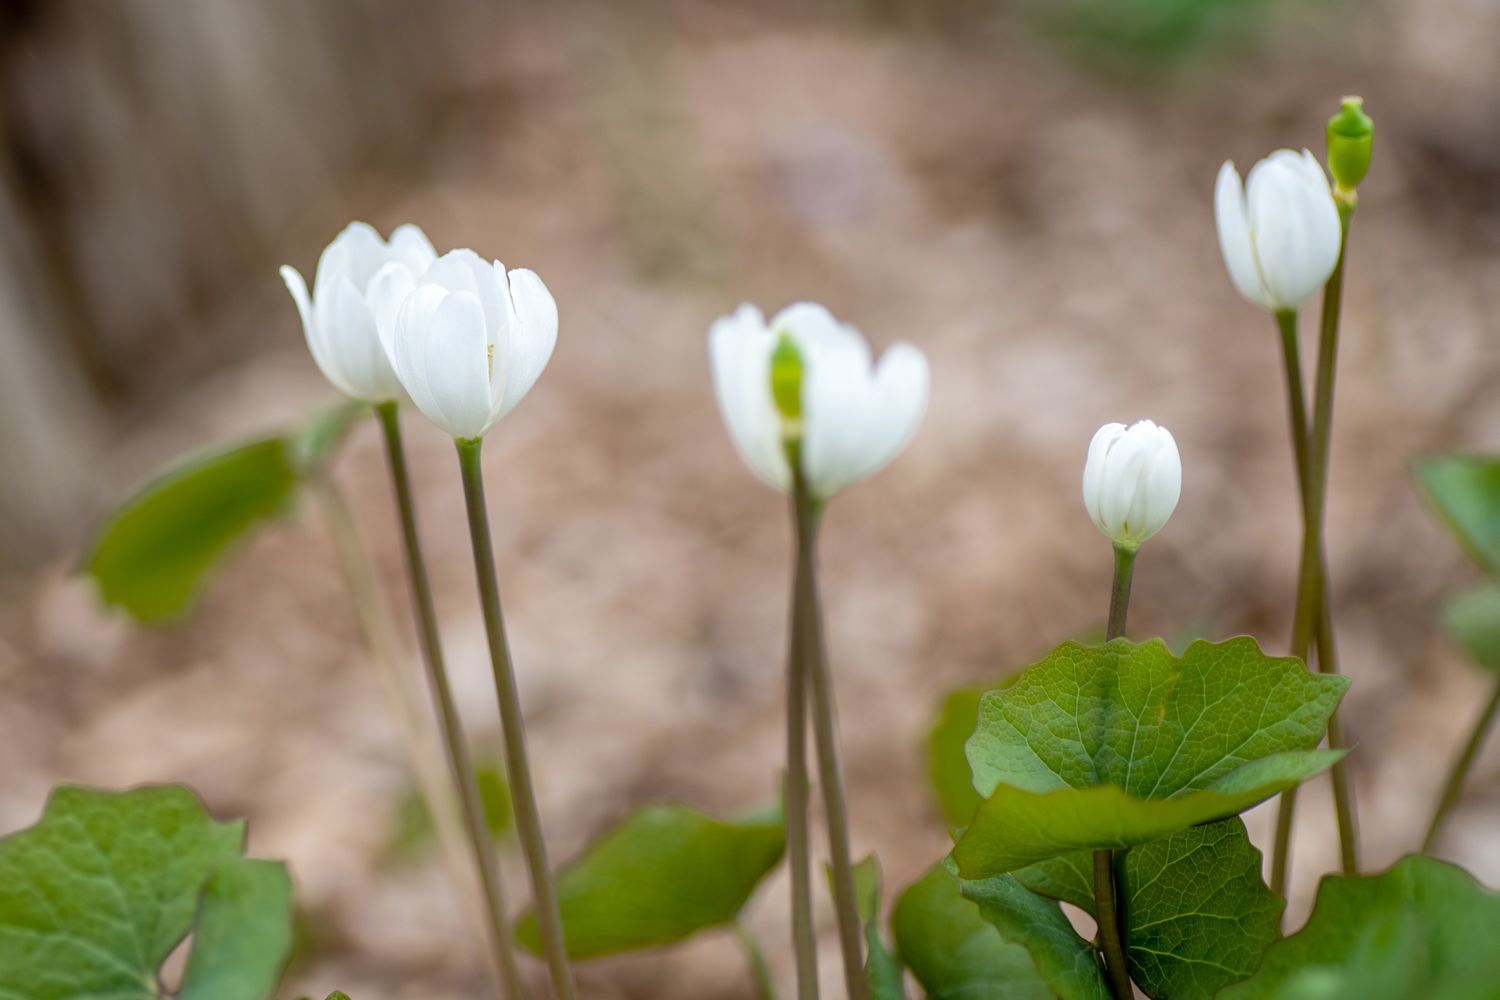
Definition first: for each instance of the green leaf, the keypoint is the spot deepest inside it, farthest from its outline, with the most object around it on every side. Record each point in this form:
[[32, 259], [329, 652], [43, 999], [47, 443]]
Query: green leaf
[[1465, 492], [1116, 745], [150, 556], [1472, 618], [96, 895], [1197, 915], [882, 971], [662, 874], [953, 951], [244, 933], [947, 764], [1067, 963], [1426, 926]]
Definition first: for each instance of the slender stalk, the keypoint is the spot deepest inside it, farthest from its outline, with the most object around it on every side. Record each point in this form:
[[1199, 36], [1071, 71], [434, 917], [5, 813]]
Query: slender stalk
[[755, 958], [1106, 906], [799, 841], [518, 769], [375, 621], [1453, 788], [461, 766], [807, 512], [1313, 616], [1119, 594]]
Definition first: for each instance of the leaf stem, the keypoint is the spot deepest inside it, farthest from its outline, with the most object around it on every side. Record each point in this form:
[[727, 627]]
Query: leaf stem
[[813, 652], [1106, 909], [1111, 940], [456, 747], [517, 767], [755, 958], [1453, 788]]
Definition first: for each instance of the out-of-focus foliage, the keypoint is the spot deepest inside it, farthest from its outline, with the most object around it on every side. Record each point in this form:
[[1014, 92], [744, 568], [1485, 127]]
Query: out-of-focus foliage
[[662, 874]]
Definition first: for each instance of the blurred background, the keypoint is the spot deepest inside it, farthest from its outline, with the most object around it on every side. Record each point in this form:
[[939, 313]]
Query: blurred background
[[1021, 187]]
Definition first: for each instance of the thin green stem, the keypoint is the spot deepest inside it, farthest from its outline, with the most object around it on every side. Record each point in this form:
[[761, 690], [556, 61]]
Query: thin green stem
[[799, 840], [1119, 593], [518, 768], [807, 512], [1106, 906], [456, 747], [1453, 788], [755, 958], [1111, 940]]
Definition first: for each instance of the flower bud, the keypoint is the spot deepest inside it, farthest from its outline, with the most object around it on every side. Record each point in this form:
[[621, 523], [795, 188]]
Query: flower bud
[[1351, 134], [1132, 481], [1279, 232]]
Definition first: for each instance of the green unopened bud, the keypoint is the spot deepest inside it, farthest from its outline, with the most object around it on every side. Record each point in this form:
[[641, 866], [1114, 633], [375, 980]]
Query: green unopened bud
[[1350, 136], [786, 383]]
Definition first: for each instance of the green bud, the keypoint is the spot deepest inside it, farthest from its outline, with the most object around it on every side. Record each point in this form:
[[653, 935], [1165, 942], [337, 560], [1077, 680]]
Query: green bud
[[786, 379], [1350, 135]]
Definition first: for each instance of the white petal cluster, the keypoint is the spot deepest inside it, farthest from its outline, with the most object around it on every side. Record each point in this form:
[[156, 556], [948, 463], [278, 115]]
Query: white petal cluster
[[469, 339], [1280, 234], [343, 316], [855, 415], [1132, 480]]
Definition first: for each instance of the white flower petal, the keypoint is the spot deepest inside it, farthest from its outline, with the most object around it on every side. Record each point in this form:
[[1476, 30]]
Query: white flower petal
[[411, 247], [740, 347], [533, 336], [1231, 215], [347, 346], [1295, 225], [1093, 470], [385, 295], [457, 363]]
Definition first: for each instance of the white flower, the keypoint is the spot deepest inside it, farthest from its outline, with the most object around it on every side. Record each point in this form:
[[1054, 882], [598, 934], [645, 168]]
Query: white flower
[[851, 417], [1281, 235], [469, 339], [1132, 480], [347, 307]]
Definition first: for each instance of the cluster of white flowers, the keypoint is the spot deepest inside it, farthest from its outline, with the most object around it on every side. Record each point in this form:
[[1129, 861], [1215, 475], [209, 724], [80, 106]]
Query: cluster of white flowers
[[464, 339]]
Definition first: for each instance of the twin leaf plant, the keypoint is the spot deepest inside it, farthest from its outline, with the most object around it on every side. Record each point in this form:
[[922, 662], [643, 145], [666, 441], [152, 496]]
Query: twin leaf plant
[[1093, 797]]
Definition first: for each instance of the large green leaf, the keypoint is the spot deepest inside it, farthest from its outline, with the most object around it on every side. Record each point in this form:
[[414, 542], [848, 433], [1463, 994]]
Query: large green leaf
[[150, 556], [243, 935], [1424, 928], [1472, 618], [662, 874], [953, 951], [96, 895], [1116, 745], [1067, 963], [1465, 491]]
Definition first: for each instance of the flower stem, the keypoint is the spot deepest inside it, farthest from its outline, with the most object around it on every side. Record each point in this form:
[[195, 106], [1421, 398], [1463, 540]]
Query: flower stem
[[796, 794], [813, 652], [518, 769], [1119, 594], [755, 958], [1453, 788], [1312, 621], [461, 767], [1106, 909]]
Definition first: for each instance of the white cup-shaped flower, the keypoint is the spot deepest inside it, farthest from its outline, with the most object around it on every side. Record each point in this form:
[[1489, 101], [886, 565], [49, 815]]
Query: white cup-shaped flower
[[806, 380], [1132, 481], [469, 340], [348, 306], [1280, 232]]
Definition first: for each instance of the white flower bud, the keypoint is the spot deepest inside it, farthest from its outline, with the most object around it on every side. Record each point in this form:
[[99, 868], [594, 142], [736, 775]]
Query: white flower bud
[[469, 340], [344, 316], [1280, 234], [1132, 481], [847, 416]]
